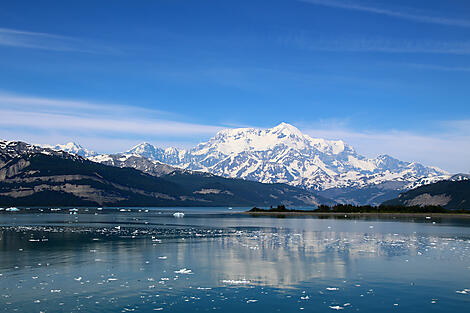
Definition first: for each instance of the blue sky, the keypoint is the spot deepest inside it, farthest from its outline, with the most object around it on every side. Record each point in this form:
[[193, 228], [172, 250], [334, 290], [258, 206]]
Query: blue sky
[[387, 77]]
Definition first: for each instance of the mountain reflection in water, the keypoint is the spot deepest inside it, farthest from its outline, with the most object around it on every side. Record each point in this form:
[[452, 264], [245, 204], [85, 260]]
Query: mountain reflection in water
[[55, 262]]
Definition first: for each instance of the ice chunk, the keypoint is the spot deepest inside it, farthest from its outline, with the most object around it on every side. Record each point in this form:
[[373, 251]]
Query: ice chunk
[[336, 307], [184, 271], [236, 282]]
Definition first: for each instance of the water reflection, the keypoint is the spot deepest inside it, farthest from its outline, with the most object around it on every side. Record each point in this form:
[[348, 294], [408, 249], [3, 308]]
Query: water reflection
[[160, 265]]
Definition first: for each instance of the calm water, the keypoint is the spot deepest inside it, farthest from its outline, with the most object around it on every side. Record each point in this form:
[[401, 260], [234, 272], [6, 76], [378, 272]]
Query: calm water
[[207, 261]]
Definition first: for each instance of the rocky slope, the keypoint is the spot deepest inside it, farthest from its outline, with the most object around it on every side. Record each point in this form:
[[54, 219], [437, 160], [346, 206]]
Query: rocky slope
[[450, 194], [136, 161]]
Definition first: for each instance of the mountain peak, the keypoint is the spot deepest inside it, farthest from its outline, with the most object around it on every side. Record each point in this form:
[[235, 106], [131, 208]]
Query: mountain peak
[[147, 150], [287, 129], [73, 148], [143, 146]]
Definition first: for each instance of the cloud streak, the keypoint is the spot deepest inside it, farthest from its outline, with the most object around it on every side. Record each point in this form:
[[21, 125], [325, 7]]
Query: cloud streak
[[45, 41], [438, 67], [129, 125], [377, 45], [401, 14], [81, 119]]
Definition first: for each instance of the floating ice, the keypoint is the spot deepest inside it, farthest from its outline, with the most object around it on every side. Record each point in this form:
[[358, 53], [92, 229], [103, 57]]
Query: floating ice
[[251, 301], [236, 282], [332, 288], [336, 307], [12, 209], [184, 271]]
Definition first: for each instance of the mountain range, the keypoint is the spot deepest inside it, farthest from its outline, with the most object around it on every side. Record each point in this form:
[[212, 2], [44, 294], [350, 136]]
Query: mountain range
[[282, 154], [36, 176]]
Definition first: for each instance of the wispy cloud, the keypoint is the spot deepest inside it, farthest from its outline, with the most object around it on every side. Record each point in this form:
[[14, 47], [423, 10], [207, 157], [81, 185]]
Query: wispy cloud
[[115, 125], [45, 41], [79, 119], [50, 105], [438, 67], [376, 44], [402, 13]]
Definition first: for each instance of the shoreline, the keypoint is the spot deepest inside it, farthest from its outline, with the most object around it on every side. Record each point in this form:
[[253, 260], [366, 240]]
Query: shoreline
[[298, 213], [368, 214]]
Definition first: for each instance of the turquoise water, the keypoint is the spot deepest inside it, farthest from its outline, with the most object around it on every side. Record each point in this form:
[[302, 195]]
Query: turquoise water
[[210, 260]]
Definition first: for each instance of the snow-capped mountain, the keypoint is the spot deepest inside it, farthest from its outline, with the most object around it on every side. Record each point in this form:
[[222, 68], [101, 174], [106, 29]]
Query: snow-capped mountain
[[283, 154], [136, 161], [73, 148]]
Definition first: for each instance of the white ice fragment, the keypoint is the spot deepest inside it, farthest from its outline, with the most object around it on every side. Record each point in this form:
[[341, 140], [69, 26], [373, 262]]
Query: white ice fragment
[[184, 271], [332, 288], [236, 282], [336, 307]]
